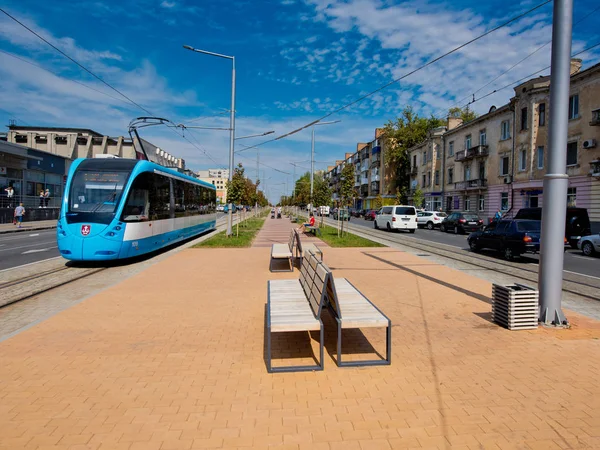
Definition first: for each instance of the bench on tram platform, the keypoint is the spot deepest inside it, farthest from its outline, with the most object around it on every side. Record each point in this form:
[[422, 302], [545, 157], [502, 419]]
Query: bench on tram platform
[[283, 251], [302, 250], [296, 305], [316, 230]]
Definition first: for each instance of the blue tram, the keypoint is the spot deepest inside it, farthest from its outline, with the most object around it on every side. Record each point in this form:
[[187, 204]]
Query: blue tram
[[120, 208]]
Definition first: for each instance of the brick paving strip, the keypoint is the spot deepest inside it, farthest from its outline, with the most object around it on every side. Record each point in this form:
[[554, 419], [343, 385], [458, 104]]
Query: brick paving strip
[[172, 358], [277, 231]]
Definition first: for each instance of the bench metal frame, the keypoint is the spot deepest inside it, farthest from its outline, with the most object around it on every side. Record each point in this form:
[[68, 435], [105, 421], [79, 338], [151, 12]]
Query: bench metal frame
[[388, 344], [289, 258]]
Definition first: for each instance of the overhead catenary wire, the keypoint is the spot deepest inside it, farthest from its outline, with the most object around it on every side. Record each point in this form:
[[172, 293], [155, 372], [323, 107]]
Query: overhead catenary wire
[[396, 80]]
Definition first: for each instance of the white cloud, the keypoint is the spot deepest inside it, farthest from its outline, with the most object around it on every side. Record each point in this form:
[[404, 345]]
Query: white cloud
[[168, 5]]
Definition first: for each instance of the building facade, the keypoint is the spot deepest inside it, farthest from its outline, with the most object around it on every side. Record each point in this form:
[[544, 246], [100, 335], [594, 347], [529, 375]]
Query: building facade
[[217, 177]]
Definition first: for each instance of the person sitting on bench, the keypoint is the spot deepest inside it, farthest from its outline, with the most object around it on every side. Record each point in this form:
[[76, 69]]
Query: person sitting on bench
[[311, 223]]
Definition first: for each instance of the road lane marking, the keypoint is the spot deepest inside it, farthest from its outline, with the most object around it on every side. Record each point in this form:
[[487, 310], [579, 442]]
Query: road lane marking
[[36, 234], [37, 250], [25, 246], [585, 257], [30, 264], [582, 274]]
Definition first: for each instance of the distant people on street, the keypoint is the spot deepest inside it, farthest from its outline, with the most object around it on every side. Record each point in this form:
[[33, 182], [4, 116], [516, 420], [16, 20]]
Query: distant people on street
[[46, 198], [498, 215], [42, 199], [19, 213], [10, 192], [310, 223]]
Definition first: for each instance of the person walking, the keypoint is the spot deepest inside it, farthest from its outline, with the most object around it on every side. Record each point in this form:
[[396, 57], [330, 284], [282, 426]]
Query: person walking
[[498, 215], [46, 198], [19, 213], [42, 199]]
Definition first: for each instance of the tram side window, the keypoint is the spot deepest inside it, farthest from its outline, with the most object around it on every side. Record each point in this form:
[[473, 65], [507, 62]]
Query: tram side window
[[160, 197], [191, 200], [148, 199], [179, 196]]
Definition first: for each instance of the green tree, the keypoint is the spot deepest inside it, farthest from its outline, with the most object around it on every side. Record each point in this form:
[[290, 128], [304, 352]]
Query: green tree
[[321, 192], [418, 197], [465, 114], [377, 202], [236, 188], [347, 185], [400, 135]]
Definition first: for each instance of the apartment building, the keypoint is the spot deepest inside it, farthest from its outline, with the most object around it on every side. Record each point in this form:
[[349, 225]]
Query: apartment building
[[426, 169], [73, 143], [217, 177]]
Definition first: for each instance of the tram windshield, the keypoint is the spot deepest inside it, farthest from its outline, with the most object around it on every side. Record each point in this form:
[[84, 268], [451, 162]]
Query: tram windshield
[[95, 195]]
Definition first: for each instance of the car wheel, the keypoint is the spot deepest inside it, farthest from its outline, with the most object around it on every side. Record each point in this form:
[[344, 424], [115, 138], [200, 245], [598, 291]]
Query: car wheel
[[588, 249], [388, 227], [509, 255], [473, 245], [430, 225], [443, 228], [375, 225]]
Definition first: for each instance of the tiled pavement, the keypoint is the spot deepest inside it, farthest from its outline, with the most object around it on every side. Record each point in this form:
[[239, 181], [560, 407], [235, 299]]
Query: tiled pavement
[[173, 359], [278, 231]]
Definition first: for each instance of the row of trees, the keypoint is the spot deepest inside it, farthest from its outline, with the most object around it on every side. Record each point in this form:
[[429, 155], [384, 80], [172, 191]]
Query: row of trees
[[243, 191]]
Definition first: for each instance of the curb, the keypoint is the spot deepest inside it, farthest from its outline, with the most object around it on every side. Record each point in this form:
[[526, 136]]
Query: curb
[[20, 230]]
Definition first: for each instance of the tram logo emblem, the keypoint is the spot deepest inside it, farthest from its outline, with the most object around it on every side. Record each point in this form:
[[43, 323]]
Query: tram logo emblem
[[85, 229]]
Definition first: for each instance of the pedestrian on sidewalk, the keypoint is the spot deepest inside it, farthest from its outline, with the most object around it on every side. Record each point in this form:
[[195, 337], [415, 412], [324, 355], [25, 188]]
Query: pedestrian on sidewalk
[[19, 213], [46, 198], [10, 192], [42, 199], [498, 215], [311, 223]]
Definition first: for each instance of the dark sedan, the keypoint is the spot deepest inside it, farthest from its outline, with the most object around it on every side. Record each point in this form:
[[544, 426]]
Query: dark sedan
[[511, 237], [460, 222]]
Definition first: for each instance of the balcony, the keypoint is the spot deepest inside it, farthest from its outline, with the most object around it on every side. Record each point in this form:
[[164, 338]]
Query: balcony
[[364, 190], [376, 150], [374, 177], [374, 188], [357, 182], [365, 166], [375, 159], [473, 152], [364, 180], [470, 184], [414, 170], [595, 117]]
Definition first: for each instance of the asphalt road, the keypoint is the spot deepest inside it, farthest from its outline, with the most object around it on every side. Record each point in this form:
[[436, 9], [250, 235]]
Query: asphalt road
[[27, 247], [574, 262]]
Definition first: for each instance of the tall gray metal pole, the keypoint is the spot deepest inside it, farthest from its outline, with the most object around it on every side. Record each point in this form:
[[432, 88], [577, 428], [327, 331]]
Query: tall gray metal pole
[[312, 166], [256, 193], [231, 144], [556, 181]]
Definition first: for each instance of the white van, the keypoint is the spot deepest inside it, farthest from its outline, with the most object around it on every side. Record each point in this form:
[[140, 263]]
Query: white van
[[323, 211], [397, 217]]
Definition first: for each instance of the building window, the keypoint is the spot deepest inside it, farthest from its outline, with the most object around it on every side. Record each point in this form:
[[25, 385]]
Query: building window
[[424, 158], [504, 166], [428, 178], [482, 170], [468, 142], [540, 157], [542, 113], [424, 180], [504, 201], [414, 160], [533, 201], [481, 202], [572, 154], [482, 137], [523, 118], [572, 197], [523, 160], [438, 153], [467, 203], [450, 175], [437, 177], [467, 173], [505, 130], [451, 148], [574, 106]]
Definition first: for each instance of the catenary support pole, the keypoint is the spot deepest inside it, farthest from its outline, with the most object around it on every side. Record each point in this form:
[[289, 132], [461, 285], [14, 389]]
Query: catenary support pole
[[231, 145], [312, 166], [556, 181]]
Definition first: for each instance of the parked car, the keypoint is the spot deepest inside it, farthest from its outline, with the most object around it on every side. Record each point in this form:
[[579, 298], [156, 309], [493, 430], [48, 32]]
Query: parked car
[[397, 217], [511, 237], [589, 245], [342, 214], [577, 222], [370, 214], [430, 219], [220, 208], [323, 211], [461, 222]]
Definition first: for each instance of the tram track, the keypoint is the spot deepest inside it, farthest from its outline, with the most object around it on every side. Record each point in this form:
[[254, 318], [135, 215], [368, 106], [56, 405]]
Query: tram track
[[572, 283]]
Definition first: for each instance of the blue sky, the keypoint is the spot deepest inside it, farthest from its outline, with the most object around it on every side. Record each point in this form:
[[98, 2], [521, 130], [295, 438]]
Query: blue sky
[[296, 60]]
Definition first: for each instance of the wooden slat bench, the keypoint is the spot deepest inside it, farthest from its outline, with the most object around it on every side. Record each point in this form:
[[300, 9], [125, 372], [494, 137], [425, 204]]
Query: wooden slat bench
[[283, 251], [296, 305], [316, 230], [303, 249], [352, 309]]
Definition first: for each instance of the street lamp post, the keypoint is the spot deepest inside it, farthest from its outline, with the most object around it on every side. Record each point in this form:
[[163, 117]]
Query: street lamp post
[[231, 125], [312, 157]]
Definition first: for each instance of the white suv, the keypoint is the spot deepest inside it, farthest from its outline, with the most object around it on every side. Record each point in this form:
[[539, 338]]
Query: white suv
[[397, 217], [430, 219]]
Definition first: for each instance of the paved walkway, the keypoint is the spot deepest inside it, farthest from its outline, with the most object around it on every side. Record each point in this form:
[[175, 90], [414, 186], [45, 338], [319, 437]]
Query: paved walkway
[[278, 231], [27, 226], [173, 359]]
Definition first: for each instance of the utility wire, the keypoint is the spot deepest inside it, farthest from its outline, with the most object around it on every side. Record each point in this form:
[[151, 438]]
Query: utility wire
[[76, 62], [427, 64]]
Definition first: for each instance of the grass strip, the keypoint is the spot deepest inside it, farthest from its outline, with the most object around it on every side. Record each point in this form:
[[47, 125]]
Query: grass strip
[[247, 231], [330, 236]]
